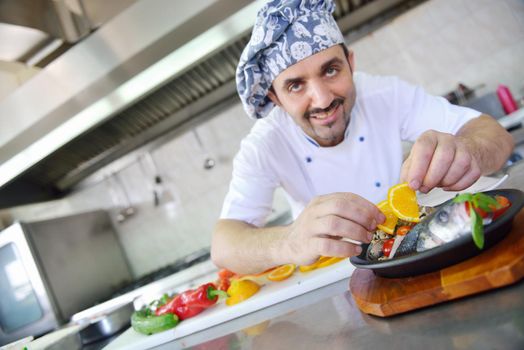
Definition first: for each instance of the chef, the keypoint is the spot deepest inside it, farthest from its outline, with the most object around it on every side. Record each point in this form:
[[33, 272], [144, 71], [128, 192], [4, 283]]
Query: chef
[[330, 137]]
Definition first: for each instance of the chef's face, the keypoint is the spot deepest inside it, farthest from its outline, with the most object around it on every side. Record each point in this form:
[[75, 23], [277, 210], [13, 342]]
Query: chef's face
[[318, 93]]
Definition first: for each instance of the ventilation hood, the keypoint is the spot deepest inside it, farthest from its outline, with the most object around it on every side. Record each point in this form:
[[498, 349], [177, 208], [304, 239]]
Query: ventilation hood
[[151, 69]]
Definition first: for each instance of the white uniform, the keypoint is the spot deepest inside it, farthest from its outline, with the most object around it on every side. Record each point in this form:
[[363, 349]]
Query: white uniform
[[278, 153]]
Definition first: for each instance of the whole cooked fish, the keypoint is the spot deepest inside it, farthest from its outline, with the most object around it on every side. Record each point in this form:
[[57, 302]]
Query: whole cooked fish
[[447, 223]]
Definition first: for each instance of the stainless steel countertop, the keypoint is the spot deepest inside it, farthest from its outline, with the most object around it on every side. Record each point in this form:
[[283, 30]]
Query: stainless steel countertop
[[328, 318]]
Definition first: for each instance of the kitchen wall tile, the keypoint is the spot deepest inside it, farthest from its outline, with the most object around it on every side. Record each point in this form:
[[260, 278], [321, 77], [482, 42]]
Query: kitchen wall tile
[[475, 42], [517, 8], [474, 5], [512, 74], [432, 61], [499, 24], [401, 65], [365, 53], [415, 25], [386, 43], [446, 12]]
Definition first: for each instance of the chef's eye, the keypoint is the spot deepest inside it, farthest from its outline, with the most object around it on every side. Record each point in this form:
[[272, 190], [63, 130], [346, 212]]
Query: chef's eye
[[331, 71], [443, 216], [295, 87]]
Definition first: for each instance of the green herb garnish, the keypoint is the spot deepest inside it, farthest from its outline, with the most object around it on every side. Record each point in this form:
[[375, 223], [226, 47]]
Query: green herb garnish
[[482, 201]]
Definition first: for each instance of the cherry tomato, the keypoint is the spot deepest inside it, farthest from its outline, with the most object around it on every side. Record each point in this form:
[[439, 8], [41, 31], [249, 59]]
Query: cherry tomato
[[386, 248], [504, 204], [223, 284], [403, 230], [225, 273], [479, 211]]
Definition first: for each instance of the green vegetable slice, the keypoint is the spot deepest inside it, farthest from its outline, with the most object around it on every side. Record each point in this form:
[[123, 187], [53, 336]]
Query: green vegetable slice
[[482, 201], [477, 229], [144, 322]]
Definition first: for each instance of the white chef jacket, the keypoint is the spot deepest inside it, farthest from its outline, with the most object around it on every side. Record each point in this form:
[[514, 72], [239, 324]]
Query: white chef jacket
[[277, 153]]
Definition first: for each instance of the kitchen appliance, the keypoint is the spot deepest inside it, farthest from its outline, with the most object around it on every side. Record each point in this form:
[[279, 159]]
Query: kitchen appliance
[[52, 269]]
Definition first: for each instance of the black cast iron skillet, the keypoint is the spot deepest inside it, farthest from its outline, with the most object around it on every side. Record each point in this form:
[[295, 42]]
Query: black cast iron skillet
[[447, 254]]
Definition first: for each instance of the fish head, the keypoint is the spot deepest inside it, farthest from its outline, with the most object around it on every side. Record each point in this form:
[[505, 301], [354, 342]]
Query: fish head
[[449, 222]]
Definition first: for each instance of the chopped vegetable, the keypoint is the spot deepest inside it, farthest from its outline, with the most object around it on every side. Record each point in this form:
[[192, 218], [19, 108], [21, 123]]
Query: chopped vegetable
[[145, 322], [388, 244], [477, 229], [192, 302], [504, 204], [403, 230], [241, 290]]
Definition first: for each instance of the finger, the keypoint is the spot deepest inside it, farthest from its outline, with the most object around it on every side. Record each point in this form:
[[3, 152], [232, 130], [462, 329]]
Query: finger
[[405, 170], [421, 155], [349, 206], [333, 225], [441, 162], [458, 169], [467, 180], [333, 247]]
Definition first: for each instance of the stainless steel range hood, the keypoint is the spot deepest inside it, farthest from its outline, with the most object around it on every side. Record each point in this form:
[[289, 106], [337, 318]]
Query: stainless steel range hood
[[150, 70]]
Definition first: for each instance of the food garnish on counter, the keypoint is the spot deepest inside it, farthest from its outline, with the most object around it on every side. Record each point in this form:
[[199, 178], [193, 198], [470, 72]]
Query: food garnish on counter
[[192, 302], [240, 290], [146, 322], [281, 273], [166, 312]]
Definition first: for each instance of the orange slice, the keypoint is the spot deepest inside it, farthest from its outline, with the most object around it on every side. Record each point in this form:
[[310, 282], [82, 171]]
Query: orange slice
[[306, 268], [281, 272], [259, 278], [391, 220], [403, 202], [329, 261]]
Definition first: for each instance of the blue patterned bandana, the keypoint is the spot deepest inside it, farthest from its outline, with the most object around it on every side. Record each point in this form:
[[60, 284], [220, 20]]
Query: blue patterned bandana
[[285, 32]]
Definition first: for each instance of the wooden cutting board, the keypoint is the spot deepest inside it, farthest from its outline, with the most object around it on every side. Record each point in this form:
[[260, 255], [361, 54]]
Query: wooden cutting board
[[498, 266], [271, 293]]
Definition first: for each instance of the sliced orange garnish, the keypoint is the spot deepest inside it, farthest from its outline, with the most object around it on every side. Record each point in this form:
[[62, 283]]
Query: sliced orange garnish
[[306, 268], [259, 278], [403, 202], [329, 261], [391, 219], [281, 272]]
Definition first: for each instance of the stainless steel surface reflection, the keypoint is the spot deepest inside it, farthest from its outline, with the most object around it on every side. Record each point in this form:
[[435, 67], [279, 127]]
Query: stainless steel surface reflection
[[493, 320]]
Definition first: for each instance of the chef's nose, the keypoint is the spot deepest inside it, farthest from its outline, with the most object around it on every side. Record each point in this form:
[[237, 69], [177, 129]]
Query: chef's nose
[[320, 95]]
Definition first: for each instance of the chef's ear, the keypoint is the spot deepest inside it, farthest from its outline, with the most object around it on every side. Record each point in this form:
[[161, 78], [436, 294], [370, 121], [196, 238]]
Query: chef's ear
[[273, 96]]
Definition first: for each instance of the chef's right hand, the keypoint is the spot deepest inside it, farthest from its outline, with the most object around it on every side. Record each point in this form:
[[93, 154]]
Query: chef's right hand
[[319, 229]]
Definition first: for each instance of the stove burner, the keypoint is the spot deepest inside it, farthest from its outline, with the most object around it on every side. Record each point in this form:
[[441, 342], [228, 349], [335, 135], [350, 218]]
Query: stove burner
[[179, 265]]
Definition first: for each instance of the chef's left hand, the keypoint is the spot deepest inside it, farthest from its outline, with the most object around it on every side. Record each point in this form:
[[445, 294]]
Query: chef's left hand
[[440, 160]]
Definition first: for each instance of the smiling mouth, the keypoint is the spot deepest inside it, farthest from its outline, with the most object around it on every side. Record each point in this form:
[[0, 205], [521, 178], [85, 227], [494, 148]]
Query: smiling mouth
[[326, 116]]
